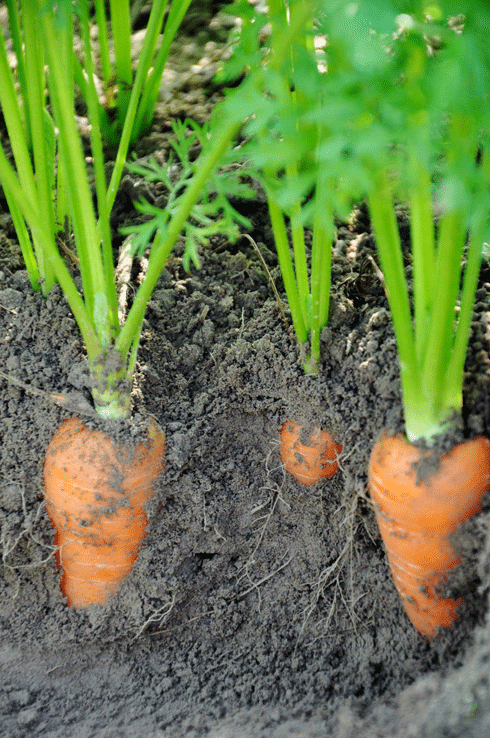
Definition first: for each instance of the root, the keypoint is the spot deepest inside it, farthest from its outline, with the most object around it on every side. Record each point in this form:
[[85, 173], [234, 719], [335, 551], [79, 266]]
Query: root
[[267, 509], [9, 544], [328, 577], [159, 616], [337, 578], [271, 281]]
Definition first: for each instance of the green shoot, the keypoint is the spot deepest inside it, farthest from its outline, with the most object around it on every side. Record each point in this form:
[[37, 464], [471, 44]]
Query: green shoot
[[440, 138], [286, 153], [29, 188], [127, 92], [211, 215]]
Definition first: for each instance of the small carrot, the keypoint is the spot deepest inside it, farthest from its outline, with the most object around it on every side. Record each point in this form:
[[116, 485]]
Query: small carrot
[[417, 518], [309, 460], [95, 491]]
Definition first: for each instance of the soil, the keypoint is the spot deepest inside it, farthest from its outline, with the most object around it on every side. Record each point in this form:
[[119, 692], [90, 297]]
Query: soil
[[258, 607]]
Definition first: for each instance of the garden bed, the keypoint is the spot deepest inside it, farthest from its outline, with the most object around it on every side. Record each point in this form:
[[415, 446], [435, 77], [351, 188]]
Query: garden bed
[[257, 607]]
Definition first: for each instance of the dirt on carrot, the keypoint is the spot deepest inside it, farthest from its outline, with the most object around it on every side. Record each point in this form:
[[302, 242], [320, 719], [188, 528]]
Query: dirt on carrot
[[95, 490], [417, 518], [308, 459]]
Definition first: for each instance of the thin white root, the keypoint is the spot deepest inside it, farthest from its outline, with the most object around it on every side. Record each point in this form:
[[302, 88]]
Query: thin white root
[[9, 544], [160, 616], [270, 505]]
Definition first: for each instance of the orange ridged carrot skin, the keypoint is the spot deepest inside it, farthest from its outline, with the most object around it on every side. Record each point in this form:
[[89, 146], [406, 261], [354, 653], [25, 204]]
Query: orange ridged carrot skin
[[416, 520], [95, 492], [312, 461]]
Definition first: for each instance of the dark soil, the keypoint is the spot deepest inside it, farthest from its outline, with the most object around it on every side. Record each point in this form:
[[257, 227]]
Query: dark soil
[[257, 608]]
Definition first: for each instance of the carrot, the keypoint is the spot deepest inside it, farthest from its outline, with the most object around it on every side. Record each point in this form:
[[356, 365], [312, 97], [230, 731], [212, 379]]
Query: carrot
[[312, 459], [416, 519], [95, 491]]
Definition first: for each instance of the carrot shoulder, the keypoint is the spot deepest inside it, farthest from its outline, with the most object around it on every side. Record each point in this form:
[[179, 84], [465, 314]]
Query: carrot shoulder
[[95, 491], [313, 459], [416, 520]]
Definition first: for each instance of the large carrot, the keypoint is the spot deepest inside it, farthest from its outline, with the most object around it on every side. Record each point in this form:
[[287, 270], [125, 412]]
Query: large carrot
[[308, 459], [417, 517], [95, 490]]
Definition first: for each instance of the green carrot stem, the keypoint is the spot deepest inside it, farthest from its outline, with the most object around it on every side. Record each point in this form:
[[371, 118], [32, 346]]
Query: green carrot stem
[[30, 212], [127, 128], [121, 36], [287, 270], [15, 128], [478, 225], [95, 280], [448, 272], [162, 248], [420, 419], [151, 89], [321, 259], [19, 143], [44, 164], [65, 49], [423, 251], [299, 252], [453, 379], [99, 171], [277, 11], [101, 20], [15, 32], [282, 43]]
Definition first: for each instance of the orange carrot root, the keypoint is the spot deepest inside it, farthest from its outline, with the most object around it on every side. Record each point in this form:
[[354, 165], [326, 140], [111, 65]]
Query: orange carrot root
[[311, 461], [416, 520], [95, 492]]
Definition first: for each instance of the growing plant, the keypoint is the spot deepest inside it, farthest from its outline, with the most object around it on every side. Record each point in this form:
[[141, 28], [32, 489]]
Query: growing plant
[[398, 113], [283, 150], [435, 110], [119, 79], [29, 189], [369, 115], [46, 182], [294, 151], [442, 169]]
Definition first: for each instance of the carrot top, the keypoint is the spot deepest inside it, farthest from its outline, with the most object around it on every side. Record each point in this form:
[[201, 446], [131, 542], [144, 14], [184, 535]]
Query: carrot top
[[439, 163]]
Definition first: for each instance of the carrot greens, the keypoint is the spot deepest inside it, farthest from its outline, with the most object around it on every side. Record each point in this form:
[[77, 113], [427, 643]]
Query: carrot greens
[[214, 212], [128, 93], [284, 149], [443, 170], [373, 102], [47, 151], [298, 145]]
